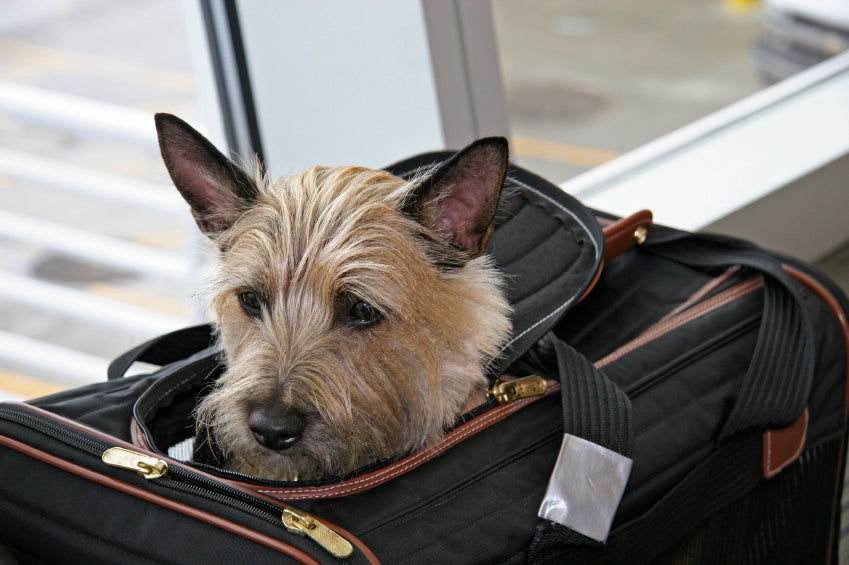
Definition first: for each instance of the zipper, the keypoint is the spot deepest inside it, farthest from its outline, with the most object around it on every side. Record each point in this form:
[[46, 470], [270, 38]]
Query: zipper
[[52, 430], [301, 523], [692, 312], [185, 480], [146, 466], [506, 390], [728, 336]]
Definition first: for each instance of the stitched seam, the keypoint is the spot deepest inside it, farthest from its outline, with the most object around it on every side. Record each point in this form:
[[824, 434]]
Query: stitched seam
[[768, 465], [703, 291], [661, 329], [773, 468], [161, 397], [572, 299], [410, 462]]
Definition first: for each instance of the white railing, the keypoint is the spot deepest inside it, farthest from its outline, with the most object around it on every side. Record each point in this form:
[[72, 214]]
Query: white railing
[[77, 114], [81, 116], [64, 176], [770, 168]]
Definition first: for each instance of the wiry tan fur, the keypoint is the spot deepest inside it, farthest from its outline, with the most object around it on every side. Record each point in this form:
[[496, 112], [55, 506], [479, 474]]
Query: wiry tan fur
[[310, 244]]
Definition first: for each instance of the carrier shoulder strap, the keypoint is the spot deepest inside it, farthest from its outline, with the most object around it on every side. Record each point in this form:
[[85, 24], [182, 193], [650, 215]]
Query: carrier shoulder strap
[[595, 409], [778, 382], [773, 394]]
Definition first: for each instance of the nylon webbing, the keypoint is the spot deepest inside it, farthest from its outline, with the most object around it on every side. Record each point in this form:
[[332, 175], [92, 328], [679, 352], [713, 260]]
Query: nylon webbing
[[777, 384], [594, 408]]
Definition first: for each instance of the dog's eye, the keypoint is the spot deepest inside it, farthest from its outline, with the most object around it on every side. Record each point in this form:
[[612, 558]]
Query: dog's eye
[[364, 314], [251, 303]]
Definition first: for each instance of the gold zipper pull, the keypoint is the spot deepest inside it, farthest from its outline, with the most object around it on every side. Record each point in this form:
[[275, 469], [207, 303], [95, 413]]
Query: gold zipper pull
[[146, 466], [303, 524], [505, 391]]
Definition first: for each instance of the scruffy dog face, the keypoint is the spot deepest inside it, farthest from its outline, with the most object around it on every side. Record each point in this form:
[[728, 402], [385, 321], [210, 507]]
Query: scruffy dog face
[[355, 310]]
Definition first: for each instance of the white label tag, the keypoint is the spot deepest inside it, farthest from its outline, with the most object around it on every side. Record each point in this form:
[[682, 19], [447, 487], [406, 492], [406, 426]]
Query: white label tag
[[585, 487]]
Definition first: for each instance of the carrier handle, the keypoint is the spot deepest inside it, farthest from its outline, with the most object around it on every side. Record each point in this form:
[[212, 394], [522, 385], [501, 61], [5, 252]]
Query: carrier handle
[[778, 381], [163, 349], [773, 393], [594, 407]]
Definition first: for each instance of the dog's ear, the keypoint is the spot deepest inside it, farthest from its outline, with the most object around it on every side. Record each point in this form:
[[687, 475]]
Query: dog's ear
[[459, 198], [216, 188]]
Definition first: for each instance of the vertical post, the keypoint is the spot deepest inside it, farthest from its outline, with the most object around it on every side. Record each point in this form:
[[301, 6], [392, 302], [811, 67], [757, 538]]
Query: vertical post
[[466, 71], [339, 82]]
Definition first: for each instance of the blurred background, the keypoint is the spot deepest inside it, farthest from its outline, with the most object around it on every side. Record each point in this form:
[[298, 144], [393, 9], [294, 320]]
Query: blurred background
[[96, 248]]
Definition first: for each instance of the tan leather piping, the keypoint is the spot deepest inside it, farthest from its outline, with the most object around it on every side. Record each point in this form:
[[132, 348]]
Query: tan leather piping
[[704, 291], [370, 480], [137, 435], [783, 447], [164, 502], [619, 235], [247, 488], [668, 324]]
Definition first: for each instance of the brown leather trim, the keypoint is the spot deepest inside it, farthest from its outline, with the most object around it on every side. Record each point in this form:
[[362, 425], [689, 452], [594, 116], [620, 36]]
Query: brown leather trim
[[619, 235], [370, 480], [668, 324], [76, 425], [783, 447], [137, 435], [164, 502], [171, 462], [593, 282], [704, 291]]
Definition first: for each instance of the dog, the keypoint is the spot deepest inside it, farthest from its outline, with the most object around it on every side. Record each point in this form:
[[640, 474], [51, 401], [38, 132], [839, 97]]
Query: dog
[[357, 312]]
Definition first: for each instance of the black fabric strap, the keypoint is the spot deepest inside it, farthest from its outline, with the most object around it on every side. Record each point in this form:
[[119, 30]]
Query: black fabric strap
[[163, 349], [777, 384], [773, 394], [594, 409]]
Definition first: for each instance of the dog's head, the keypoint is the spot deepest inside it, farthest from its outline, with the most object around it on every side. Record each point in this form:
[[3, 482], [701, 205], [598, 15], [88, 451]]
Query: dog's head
[[356, 310]]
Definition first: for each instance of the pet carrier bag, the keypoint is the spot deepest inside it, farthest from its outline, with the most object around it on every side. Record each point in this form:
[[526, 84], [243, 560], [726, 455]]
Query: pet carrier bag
[[686, 403]]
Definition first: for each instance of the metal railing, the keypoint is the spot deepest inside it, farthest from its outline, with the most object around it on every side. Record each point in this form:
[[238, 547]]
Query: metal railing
[[80, 116]]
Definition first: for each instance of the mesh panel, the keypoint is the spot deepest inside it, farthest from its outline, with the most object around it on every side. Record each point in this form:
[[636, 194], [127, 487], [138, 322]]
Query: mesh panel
[[786, 520]]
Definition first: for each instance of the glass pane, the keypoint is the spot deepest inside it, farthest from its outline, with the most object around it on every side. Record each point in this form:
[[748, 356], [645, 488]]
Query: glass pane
[[587, 81]]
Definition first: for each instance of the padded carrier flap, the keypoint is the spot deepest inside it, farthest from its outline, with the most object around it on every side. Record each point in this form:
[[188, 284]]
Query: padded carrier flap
[[549, 247], [547, 244]]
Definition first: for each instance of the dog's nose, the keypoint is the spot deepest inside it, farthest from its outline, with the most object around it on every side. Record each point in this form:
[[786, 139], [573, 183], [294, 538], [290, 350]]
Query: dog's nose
[[276, 427]]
